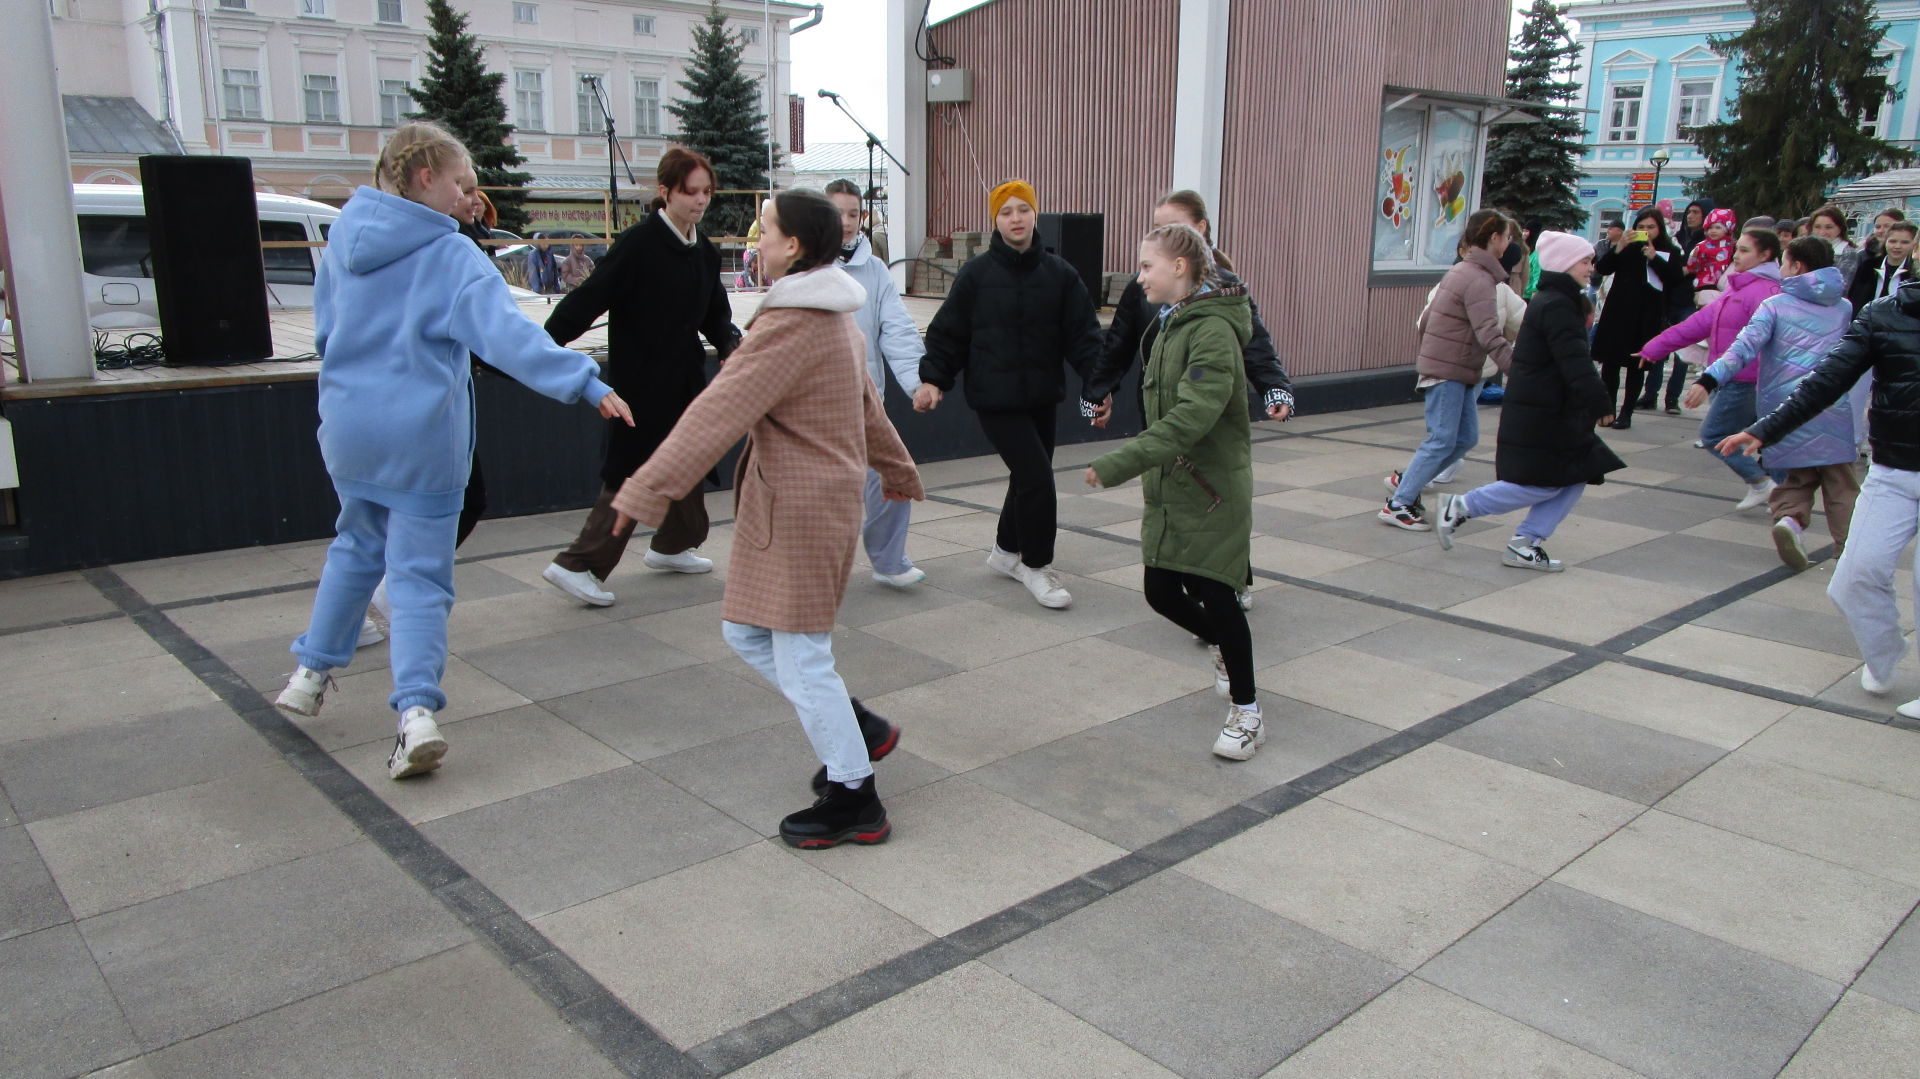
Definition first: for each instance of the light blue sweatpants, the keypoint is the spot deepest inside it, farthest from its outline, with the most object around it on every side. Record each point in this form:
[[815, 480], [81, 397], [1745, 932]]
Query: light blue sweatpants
[[801, 665], [1546, 506], [416, 556], [885, 532]]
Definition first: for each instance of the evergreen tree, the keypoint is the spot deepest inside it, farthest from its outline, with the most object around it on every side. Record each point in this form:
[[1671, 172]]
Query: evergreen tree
[[723, 114], [1533, 169], [1808, 79], [460, 94]]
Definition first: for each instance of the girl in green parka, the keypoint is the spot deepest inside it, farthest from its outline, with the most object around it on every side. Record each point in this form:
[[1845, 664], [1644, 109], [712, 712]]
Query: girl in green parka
[[1196, 465]]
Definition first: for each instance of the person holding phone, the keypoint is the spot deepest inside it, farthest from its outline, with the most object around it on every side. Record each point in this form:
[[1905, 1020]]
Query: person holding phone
[[1647, 274]]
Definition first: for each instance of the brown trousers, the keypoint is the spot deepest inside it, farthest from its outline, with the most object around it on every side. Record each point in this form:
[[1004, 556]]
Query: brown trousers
[[1838, 487], [597, 550]]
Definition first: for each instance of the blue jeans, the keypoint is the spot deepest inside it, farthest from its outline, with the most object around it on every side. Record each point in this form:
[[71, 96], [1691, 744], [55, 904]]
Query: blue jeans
[[416, 556], [801, 665], [1729, 412], [1453, 428], [885, 531], [1546, 506]]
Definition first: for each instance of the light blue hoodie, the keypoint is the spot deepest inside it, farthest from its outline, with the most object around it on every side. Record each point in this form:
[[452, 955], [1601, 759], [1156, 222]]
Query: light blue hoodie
[[401, 300], [883, 320]]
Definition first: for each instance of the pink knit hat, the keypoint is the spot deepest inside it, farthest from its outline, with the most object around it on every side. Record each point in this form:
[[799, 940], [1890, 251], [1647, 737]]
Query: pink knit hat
[[1558, 251], [1722, 216]]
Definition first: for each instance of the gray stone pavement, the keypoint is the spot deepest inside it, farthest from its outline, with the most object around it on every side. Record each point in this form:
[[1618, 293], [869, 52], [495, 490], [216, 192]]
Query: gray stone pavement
[[1633, 819]]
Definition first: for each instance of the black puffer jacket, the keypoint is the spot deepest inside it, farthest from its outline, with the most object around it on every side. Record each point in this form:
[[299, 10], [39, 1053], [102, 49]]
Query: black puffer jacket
[[1131, 317], [1010, 321], [1885, 339], [1554, 397]]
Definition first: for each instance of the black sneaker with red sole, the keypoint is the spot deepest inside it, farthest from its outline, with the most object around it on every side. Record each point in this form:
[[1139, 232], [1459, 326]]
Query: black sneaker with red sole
[[841, 815], [879, 734]]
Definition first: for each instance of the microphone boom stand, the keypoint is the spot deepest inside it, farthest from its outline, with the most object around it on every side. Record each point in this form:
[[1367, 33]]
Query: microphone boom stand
[[873, 143], [614, 152]]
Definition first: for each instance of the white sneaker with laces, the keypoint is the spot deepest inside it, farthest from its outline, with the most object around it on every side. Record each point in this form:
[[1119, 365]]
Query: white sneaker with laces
[[1242, 735], [1004, 562], [1523, 555], [1448, 473], [1453, 514], [913, 576], [1911, 709], [306, 691], [1873, 685], [418, 747], [1044, 583], [1756, 495], [579, 584], [1244, 598], [1222, 684], [370, 632], [684, 562]]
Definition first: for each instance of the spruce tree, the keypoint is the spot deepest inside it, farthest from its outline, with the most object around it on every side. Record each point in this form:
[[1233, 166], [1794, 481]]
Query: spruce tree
[[1808, 80], [1533, 169], [460, 94], [722, 117]]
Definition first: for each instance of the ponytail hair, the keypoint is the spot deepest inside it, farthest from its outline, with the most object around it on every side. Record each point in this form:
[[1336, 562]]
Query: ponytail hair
[[1196, 208], [412, 145], [1185, 242], [814, 222], [677, 167], [1483, 226]]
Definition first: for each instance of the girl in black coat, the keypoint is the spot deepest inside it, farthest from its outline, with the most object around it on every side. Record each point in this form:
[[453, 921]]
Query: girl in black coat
[[659, 286], [1547, 449], [1014, 317], [1649, 286]]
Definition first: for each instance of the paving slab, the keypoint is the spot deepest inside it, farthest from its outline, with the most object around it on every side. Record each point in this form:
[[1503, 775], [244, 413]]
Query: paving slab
[[575, 660], [1700, 713], [48, 777], [682, 708], [1861, 1036], [68, 1023], [55, 597], [1350, 681], [1749, 659], [1894, 974], [29, 899], [1842, 747], [1620, 758]]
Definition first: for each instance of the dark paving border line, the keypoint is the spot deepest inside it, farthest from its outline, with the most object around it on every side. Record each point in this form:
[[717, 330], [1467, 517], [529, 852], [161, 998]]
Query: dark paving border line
[[586, 1005], [62, 623]]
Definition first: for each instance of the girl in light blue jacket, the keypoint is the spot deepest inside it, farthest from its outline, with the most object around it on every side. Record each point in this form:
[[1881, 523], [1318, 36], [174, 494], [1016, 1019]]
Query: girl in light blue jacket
[[1789, 335], [401, 300]]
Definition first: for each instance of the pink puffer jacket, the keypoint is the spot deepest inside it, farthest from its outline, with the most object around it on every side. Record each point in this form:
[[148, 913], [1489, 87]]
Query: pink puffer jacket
[[1721, 321]]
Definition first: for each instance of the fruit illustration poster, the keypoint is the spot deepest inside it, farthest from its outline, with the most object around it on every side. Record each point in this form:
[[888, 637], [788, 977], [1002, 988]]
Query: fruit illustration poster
[[1396, 225]]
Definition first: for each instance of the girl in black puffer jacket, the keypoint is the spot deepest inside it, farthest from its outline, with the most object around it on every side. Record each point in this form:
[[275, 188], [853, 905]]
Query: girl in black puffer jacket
[[1014, 317]]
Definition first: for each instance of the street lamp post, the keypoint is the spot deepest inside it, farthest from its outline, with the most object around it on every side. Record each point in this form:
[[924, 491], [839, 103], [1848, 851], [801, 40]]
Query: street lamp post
[[1660, 160]]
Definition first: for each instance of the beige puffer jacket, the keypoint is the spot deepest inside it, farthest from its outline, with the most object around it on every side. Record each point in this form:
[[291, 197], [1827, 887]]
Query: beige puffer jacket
[[1462, 328]]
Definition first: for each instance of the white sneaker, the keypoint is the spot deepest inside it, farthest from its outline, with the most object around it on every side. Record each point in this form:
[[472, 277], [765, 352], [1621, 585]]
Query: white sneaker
[[306, 691], [1242, 735], [1448, 473], [382, 603], [684, 562], [1911, 709], [1873, 685], [1523, 555], [1453, 514], [370, 632], [1004, 562], [580, 584], [1244, 598], [1222, 684], [418, 747], [1045, 586], [913, 576], [1756, 495], [1790, 540]]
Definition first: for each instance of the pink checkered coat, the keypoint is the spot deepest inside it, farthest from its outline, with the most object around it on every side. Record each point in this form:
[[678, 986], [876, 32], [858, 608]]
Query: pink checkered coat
[[798, 389]]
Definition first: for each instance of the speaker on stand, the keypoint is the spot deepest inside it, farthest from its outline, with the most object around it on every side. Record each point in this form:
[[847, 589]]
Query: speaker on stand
[[1081, 240], [209, 281]]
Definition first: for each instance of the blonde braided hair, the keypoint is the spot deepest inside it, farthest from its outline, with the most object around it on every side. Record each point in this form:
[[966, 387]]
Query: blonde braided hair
[[412, 145], [1185, 242]]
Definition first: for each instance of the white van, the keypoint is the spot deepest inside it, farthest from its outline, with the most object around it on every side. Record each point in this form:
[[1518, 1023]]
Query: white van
[[117, 262]]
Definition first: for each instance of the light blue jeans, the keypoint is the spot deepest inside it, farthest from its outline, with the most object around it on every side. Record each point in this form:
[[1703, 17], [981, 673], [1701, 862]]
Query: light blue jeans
[[1884, 522], [1453, 428], [416, 556], [1729, 412], [1546, 506], [885, 531], [801, 665]]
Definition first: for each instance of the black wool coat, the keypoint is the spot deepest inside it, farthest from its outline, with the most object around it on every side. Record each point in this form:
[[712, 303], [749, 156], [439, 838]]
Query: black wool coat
[[1635, 311], [1010, 323], [1554, 397], [660, 297]]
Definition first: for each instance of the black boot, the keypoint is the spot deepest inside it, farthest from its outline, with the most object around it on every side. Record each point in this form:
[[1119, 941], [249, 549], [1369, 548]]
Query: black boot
[[842, 813], [880, 736]]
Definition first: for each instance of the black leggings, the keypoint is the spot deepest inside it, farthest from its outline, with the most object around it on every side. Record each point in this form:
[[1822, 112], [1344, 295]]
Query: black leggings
[[1207, 609], [1610, 371], [1024, 440]]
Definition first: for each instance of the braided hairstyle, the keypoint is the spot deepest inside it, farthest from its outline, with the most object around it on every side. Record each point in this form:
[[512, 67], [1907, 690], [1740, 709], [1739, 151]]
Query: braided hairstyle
[[1185, 242], [411, 146]]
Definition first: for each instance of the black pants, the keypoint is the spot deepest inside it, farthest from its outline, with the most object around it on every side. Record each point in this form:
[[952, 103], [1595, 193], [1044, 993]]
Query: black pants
[[1610, 378], [597, 550], [474, 506], [1207, 609], [1024, 440], [1675, 383]]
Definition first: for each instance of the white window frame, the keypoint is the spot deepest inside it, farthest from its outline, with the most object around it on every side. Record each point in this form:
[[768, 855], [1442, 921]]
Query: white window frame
[[403, 101], [531, 13], [1679, 129], [312, 95], [399, 12], [645, 26], [228, 89], [1423, 207], [646, 107], [234, 5], [316, 9], [749, 35], [586, 107], [1612, 133], [530, 102], [1889, 65]]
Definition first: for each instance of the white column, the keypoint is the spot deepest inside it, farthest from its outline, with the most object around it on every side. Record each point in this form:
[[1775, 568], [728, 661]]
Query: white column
[[1200, 98], [43, 241], [906, 135]]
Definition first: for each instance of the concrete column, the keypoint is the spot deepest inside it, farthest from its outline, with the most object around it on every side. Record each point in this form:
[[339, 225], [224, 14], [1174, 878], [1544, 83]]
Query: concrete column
[[36, 187], [906, 135], [1200, 98]]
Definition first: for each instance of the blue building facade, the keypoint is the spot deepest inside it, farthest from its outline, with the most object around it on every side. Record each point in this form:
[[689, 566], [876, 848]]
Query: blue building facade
[[1648, 74]]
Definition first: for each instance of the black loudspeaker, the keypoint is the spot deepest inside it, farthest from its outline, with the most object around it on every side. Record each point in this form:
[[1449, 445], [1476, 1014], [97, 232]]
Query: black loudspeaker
[[209, 280], [1081, 240]]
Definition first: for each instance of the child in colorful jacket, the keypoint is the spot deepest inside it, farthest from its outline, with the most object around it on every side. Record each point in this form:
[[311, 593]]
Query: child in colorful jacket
[[1712, 256]]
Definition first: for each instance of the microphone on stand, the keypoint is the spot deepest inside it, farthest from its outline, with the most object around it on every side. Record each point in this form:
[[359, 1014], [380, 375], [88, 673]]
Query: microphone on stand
[[830, 93]]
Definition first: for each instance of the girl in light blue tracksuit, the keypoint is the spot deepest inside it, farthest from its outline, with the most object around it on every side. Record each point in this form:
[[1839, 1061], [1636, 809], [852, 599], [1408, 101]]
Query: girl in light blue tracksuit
[[401, 300]]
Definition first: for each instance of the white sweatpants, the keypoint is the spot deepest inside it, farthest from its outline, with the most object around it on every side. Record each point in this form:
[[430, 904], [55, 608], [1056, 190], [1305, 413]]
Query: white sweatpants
[[1884, 521]]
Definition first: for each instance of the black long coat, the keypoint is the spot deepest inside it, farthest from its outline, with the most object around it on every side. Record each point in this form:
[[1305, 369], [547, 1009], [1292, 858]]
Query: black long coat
[[1011, 324], [1635, 311], [660, 297], [1554, 397]]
